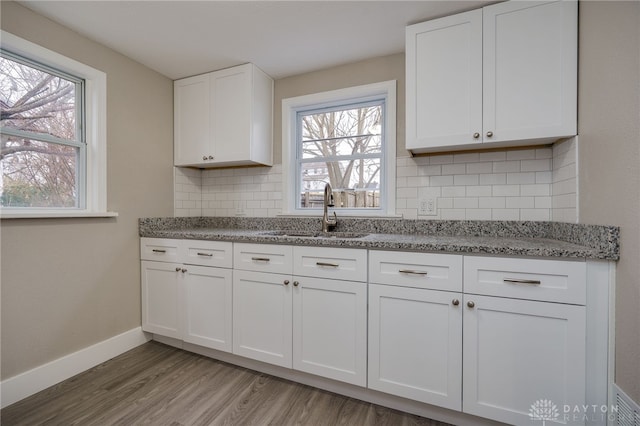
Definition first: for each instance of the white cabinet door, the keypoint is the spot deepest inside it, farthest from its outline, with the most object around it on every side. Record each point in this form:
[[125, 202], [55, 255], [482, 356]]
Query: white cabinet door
[[262, 316], [161, 298], [330, 328], [207, 307], [444, 81], [230, 112], [191, 120], [518, 352], [415, 344], [529, 70]]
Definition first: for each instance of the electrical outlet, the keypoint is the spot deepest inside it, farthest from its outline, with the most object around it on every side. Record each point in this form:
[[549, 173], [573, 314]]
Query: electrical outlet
[[427, 206], [240, 211]]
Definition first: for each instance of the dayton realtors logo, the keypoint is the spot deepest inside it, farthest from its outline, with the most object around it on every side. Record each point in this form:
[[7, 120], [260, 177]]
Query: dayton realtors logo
[[545, 410]]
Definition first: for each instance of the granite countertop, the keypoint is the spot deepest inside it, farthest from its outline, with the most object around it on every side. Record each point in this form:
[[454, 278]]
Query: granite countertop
[[538, 239]]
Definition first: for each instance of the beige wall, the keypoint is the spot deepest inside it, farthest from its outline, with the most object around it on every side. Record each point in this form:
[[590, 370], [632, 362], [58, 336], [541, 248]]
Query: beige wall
[[355, 74], [609, 157], [69, 283]]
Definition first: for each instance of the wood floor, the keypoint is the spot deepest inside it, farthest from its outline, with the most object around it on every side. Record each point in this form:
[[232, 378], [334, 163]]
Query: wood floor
[[156, 384]]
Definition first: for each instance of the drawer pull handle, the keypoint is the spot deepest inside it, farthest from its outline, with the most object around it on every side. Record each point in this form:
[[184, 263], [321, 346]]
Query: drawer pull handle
[[260, 259], [205, 254], [158, 251], [519, 281], [333, 265], [411, 271]]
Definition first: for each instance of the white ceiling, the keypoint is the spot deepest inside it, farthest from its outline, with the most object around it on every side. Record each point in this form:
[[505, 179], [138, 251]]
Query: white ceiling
[[184, 38]]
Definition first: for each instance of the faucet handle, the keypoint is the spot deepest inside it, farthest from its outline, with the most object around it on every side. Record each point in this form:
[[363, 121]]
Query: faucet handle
[[331, 202]]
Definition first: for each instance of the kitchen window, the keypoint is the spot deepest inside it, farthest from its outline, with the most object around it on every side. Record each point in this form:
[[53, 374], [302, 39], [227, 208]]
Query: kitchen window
[[345, 138], [52, 154]]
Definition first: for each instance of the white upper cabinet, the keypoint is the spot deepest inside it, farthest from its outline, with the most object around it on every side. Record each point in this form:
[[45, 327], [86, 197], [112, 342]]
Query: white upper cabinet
[[504, 75], [444, 81], [224, 118]]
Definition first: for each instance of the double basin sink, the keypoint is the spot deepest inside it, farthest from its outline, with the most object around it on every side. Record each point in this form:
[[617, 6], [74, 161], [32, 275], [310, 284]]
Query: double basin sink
[[309, 234]]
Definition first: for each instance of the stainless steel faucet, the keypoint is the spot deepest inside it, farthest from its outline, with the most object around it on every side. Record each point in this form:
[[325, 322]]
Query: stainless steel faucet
[[328, 223]]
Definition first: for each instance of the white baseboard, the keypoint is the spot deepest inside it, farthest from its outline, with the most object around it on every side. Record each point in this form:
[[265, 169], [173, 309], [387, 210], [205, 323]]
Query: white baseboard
[[25, 384]]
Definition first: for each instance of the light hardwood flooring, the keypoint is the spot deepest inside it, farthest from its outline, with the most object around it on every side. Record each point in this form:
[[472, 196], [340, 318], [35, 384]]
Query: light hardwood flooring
[[156, 384]]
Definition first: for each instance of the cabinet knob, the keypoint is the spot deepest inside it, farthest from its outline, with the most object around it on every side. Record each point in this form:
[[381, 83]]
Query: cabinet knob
[[455, 302], [184, 270], [471, 304], [476, 135], [211, 157], [204, 157], [286, 282], [178, 269], [296, 283], [489, 134]]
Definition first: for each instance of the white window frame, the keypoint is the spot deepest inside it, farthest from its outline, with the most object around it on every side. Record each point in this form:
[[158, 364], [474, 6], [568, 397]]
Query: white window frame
[[95, 105], [290, 108]]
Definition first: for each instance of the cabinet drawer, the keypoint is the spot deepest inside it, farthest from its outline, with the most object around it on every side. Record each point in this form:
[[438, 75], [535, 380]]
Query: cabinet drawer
[[323, 262], [419, 270], [534, 279], [160, 249], [208, 253], [262, 258]]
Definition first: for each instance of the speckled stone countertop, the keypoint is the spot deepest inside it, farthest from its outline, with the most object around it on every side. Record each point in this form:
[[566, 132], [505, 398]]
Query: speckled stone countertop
[[539, 239]]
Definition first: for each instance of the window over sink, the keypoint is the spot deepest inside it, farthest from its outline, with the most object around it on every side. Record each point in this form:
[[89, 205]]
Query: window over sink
[[345, 138]]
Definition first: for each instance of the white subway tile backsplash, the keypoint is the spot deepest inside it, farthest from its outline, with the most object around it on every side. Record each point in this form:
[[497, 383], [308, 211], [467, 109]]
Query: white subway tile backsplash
[[454, 191], [506, 166], [493, 179], [472, 157], [522, 184], [535, 165], [441, 180], [492, 156], [478, 214], [465, 203], [465, 180], [521, 154], [521, 178], [505, 214], [431, 170], [477, 168], [506, 190], [453, 169], [535, 190]]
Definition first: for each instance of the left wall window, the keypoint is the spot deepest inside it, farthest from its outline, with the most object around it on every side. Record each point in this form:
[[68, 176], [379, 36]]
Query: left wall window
[[53, 130]]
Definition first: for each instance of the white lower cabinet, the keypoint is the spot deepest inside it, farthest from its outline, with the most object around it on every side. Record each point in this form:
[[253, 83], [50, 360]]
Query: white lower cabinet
[[330, 328], [310, 324], [186, 301], [487, 336], [207, 303], [519, 352], [161, 306], [415, 344], [262, 316]]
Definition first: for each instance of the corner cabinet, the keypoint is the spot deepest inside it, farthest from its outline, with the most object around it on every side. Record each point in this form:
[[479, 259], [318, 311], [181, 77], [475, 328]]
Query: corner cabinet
[[224, 118], [503, 75]]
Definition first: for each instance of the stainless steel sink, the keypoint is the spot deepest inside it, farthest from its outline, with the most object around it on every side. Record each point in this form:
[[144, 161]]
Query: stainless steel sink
[[307, 234]]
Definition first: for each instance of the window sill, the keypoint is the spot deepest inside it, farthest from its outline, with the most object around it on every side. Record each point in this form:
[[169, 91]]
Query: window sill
[[55, 215]]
